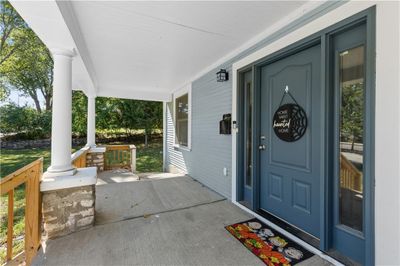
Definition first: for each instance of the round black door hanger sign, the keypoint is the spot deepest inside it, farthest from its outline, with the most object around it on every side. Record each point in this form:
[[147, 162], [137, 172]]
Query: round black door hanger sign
[[290, 122]]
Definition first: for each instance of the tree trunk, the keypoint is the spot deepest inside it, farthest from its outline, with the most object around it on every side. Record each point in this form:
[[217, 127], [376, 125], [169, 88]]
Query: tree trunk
[[146, 144], [48, 102], [37, 104], [33, 95]]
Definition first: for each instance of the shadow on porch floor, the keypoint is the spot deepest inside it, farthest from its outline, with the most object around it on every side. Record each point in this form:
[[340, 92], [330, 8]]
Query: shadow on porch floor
[[161, 219]]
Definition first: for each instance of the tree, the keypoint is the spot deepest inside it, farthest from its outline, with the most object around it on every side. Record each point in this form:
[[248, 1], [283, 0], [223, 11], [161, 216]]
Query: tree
[[134, 114], [129, 114], [26, 63], [4, 91], [106, 110], [11, 25], [148, 115], [25, 121], [79, 112], [352, 113]]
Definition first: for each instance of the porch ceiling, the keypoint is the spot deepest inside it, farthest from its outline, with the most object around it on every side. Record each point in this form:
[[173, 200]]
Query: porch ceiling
[[147, 50]]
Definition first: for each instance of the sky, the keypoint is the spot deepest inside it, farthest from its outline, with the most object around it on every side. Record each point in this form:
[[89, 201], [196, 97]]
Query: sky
[[22, 100]]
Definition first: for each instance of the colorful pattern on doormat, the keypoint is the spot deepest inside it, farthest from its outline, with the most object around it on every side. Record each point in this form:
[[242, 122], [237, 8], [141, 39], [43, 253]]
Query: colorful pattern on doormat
[[270, 246]]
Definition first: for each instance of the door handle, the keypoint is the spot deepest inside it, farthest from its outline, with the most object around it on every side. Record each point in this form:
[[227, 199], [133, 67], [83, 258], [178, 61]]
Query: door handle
[[261, 147]]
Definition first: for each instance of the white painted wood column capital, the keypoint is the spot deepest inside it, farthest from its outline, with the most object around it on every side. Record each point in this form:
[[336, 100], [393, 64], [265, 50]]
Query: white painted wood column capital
[[61, 136], [91, 121]]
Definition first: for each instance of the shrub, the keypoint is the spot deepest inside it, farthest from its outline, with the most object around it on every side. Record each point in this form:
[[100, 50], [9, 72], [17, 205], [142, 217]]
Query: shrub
[[25, 122]]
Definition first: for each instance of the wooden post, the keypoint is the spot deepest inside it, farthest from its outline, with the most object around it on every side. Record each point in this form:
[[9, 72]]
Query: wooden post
[[133, 158], [10, 224], [32, 210]]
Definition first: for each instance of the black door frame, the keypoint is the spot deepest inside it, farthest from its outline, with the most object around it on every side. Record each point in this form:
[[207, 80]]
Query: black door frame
[[323, 38]]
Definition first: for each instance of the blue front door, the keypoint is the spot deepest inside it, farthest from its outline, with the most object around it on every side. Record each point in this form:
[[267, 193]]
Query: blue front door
[[290, 172]]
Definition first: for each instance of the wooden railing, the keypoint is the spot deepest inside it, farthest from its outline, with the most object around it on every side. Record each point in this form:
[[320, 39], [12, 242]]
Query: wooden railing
[[350, 176], [78, 159], [120, 156], [29, 175]]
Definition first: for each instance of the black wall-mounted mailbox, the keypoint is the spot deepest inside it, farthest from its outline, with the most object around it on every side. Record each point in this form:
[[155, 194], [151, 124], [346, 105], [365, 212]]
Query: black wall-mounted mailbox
[[225, 125]]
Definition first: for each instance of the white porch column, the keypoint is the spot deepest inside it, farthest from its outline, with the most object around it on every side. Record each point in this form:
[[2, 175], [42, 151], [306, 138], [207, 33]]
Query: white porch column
[[62, 114], [91, 121]]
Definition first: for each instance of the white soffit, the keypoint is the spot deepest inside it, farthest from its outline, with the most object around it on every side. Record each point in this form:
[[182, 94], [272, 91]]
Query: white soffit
[[147, 50]]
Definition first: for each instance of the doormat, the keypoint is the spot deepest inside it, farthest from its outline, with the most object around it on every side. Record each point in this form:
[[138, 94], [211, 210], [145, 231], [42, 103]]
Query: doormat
[[270, 246]]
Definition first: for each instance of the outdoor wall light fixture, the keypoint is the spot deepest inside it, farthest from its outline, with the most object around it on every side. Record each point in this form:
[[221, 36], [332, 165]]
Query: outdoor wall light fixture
[[222, 75]]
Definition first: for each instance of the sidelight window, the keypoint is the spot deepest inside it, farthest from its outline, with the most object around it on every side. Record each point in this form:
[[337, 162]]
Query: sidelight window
[[352, 91]]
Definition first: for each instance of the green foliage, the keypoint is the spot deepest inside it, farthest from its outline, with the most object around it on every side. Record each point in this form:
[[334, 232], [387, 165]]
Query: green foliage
[[11, 37], [24, 120], [134, 117], [128, 114], [106, 109], [4, 91], [79, 113], [352, 113], [25, 62]]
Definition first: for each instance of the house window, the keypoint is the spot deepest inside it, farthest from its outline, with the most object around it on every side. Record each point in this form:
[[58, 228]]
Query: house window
[[182, 119]]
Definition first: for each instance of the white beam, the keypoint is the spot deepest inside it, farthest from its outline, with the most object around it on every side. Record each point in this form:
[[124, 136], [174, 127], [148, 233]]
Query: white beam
[[134, 93]]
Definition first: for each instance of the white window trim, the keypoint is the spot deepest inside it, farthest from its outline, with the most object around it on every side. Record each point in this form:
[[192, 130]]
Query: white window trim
[[178, 93]]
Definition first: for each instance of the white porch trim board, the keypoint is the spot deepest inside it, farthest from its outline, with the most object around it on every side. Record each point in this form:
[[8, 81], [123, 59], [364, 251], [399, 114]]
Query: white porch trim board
[[91, 121], [83, 177], [387, 131]]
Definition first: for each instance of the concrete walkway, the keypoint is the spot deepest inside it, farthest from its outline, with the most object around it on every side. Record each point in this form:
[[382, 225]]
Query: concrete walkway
[[169, 220]]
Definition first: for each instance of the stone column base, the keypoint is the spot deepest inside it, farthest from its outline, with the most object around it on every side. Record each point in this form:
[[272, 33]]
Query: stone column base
[[95, 158], [68, 210]]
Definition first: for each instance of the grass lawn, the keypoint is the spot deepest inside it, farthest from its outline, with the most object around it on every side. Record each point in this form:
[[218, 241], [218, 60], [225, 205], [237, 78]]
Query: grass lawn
[[148, 159]]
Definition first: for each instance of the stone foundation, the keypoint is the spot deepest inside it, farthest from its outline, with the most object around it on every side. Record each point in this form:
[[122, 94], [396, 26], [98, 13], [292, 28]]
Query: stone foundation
[[95, 159], [68, 210]]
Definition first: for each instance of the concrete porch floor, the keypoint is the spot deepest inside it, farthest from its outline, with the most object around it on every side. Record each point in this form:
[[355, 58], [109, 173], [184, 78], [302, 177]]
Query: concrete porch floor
[[160, 219]]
